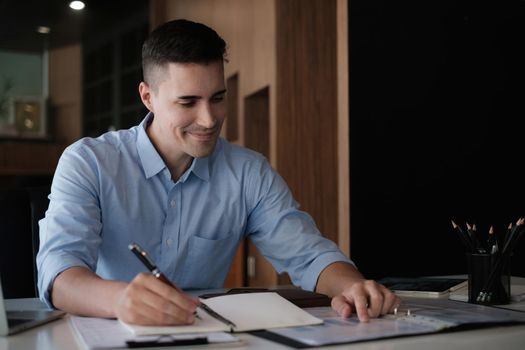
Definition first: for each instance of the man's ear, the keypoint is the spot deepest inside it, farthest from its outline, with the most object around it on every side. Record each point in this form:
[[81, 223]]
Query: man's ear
[[145, 95]]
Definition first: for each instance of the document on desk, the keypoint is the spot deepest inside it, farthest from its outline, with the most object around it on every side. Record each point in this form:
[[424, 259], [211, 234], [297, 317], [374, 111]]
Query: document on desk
[[426, 316], [100, 333], [249, 312]]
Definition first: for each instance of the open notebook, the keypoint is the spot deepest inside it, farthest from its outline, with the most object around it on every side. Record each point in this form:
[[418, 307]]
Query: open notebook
[[249, 312]]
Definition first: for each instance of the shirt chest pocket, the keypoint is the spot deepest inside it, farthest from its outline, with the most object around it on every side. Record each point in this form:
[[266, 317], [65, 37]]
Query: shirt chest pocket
[[208, 261]]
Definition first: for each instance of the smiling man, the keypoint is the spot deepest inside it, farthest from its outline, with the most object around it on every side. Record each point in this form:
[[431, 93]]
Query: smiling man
[[187, 196]]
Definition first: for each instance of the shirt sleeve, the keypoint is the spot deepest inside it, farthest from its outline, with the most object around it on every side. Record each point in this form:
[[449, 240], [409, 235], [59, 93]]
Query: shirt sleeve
[[70, 230], [285, 235]]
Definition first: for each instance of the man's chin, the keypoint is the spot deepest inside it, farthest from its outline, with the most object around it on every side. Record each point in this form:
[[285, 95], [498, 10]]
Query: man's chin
[[203, 149]]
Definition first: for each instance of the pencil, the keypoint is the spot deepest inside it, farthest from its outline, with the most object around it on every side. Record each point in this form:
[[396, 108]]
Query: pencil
[[512, 235], [507, 234], [492, 242], [512, 238], [462, 236], [474, 239]]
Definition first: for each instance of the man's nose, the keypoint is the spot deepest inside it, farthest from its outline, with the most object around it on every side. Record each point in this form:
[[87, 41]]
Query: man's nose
[[206, 118]]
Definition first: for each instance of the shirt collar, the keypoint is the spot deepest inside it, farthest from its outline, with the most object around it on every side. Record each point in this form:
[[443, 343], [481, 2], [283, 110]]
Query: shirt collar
[[152, 162], [201, 168]]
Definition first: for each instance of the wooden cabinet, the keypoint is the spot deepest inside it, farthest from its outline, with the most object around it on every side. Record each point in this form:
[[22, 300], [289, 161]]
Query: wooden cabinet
[[28, 158], [28, 163]]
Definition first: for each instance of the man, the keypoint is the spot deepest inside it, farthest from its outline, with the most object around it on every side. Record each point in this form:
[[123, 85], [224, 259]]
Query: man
[[185, 195]]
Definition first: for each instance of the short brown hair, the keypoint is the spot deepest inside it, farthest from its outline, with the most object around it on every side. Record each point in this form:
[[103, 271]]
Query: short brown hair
[[180, 41]]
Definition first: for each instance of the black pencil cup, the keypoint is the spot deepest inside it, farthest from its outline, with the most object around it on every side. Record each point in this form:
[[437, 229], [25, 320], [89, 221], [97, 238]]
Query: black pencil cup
[[488, 279]]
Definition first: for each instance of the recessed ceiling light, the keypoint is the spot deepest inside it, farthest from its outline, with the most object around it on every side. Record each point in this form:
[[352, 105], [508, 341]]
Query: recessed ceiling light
[[43, 29], [77, 5]]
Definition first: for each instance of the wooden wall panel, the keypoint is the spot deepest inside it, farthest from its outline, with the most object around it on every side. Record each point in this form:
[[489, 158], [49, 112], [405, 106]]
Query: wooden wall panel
[[232, 109], [65, 92], [307, 106], [248, 26], [343, 130]]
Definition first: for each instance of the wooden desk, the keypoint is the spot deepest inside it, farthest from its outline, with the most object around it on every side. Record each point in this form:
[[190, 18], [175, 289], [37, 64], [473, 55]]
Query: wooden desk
[[59, 335]]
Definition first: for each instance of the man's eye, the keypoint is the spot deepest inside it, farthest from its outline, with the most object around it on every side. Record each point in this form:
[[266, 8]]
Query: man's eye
[[217, 98], [187, 104]]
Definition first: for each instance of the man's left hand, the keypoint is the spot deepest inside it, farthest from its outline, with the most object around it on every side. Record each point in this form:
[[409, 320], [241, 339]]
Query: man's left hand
[[367, 298]]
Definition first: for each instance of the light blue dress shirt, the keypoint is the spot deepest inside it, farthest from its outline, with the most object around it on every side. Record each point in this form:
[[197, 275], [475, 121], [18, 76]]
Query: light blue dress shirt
[[116, 189]]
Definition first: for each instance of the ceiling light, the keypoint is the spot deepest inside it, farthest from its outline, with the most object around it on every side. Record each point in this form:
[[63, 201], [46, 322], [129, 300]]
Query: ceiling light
[[77, 5], [43, 29]]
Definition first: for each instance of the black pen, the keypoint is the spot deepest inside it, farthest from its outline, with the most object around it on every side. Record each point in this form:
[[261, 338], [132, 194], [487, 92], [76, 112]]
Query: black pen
[[144, 258], [141, 254]]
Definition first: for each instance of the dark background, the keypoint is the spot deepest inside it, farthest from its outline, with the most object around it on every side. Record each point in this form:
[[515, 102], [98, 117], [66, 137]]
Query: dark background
[[437, 109]]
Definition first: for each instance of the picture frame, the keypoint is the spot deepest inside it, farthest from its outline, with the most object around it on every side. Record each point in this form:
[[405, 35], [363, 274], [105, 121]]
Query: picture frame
[[28, 116]]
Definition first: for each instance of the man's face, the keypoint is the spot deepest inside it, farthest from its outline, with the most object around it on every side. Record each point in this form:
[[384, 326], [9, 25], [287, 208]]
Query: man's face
[[189, 107]]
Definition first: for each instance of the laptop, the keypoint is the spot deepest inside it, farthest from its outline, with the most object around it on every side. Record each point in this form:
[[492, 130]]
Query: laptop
[[14, 321]]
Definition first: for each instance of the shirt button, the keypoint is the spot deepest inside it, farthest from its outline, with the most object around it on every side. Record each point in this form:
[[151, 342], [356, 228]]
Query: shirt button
[[172, 203], [168, 241]]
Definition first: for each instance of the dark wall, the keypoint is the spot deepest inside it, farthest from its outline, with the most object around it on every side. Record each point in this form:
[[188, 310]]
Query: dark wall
[[437, 115]]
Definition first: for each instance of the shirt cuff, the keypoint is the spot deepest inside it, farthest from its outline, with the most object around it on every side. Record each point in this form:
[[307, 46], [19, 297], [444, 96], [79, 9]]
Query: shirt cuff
[[50, 273], [311, 275]]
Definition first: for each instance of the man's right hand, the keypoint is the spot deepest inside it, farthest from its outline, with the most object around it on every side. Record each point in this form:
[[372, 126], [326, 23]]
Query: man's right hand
[[148, 301]]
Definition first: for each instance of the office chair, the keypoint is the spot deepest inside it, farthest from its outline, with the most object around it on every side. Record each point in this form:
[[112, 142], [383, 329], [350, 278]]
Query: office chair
[[16, 246], [39, 202], [20, 211]]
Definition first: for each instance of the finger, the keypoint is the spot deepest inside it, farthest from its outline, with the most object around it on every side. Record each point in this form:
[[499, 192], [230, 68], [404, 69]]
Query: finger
[[176, 296], [361, 307], [391, 301], [134, 307], [149, 315], [160, 301], [341, 306], [159, 309], [376, 300]]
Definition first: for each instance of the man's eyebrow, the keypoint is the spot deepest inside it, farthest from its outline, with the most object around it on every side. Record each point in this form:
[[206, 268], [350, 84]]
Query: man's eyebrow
[[189, 97], [195, 97]]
